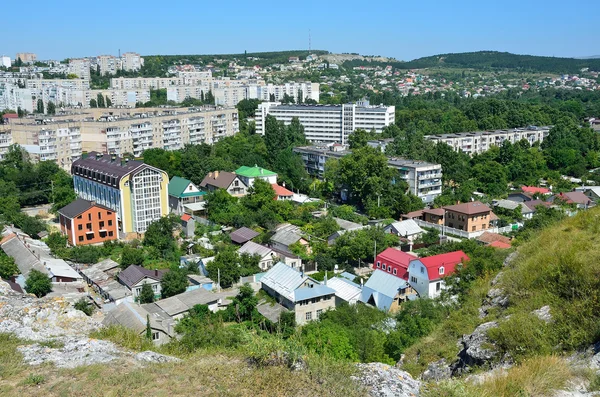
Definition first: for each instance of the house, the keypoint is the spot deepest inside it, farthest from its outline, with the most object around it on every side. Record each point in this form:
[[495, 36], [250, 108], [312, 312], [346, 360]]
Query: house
[[426, 274], [593, 192], [470, 217], [101, 277], [510, 205], [286, 235], [494, 240], [134, 277], [249, 174], [306, 297], [434, 215], [407, 229], [202, 281], [135, 317], [178, 305], [345, 290], [347, 225], [281, 193], [185, 196], [386, 292], [189, 225], [243, 235], [519, 197], [577, 198], [394, 261], [534, 204], [86, 222], [531, 190], [224, 180], [289, 259], [266, 254]]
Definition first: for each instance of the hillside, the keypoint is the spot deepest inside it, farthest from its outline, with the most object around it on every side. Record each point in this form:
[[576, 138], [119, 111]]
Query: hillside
[[538, 317], [496, 60]]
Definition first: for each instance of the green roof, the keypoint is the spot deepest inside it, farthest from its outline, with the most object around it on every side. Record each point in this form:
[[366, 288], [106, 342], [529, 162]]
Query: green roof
[[254, 172], [177, 187]]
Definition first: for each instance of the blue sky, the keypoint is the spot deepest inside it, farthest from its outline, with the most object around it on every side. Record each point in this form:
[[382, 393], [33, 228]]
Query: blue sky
[[401, 29]]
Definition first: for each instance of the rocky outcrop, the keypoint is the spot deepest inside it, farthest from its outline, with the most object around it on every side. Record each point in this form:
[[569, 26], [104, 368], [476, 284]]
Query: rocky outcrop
[[476, 349], [543, 314], [155, 358], [383, 380], [75, 352], [437, 371]]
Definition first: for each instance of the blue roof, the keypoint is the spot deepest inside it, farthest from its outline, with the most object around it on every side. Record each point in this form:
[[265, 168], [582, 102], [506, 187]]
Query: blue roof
[[382, 287], [348, 276], [312, 292]]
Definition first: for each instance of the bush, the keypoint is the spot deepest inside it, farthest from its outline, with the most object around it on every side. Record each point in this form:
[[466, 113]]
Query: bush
[[85, 306], [38, 283], [146, 294], [8, 267], [174, 282]]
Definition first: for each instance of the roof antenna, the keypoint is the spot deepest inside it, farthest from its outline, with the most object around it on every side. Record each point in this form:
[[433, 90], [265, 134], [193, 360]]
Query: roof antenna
[[309, 43]]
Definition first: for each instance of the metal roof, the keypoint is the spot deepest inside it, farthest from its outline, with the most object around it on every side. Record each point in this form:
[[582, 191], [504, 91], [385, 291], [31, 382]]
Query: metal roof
[[182, 303], [385, 283], [283, 280], [242, 235], [344, 288], [314, 291], [406, 228], [254, 172], [287, 235], [253, 248], [134, 274], [79, 206]]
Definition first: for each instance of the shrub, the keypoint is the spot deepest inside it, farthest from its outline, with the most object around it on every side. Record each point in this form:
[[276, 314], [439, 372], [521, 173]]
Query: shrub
[[38, 283], [85, 306]]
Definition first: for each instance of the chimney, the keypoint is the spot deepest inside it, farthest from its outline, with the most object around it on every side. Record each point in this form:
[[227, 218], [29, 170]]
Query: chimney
[[126, 161], [92, 203], [210, 174], [325, 277], [283, 184], [216, 174], [113, 158], [156, 273]]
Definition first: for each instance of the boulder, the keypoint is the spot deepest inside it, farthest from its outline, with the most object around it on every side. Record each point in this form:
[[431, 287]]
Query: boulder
[[74, 352], [382, 380], [476, 350], [437, 371], [150, 357], [543, 313]]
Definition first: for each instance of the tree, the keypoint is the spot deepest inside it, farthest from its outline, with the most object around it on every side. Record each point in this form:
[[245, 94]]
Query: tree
[[38, 283], [40, 106], [20, 112], [51, 107], [148, 328], [146, 294], [359, 138], [85, 306], [93, 103], [8, 267], [131, 256], [108, 102], [243, 306], [159, 235], [100, 100], [174, 282]]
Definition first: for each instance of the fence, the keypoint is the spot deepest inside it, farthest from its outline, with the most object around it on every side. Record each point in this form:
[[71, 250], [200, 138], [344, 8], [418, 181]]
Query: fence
[[462, 233]]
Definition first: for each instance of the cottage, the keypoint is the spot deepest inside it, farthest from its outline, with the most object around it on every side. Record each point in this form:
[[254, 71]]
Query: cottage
[[471, 217], [134, 277], [386, 292], [394, 261], [346, 291], [135, 317], [426, 274], [243, 235], [265, 254], [407, 229], [177, 306], [281, 193], [224, 180], [297, 292], [286, 235], [86, 222], [185, 196], [593, 192], [510, 205], [101, 277], [576, 198], [249, 174]]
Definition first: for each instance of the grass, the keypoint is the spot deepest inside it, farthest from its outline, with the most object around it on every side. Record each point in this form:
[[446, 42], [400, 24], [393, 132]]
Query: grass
[[208, 372], [536, 376]]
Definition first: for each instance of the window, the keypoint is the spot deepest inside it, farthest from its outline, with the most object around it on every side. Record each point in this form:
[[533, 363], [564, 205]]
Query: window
[[110, 234], [389, 269], [438, 286], [88, 226], [319, 312], [395, 272], [441, 269], [378, 264], [413, 279], [80, 238], [473, 228], [308, 316], [101, 224], [110, 222], [79, 227], [422, 270], [155, 336], [383, 266], [99, 215], [79, 217], [89, 217]]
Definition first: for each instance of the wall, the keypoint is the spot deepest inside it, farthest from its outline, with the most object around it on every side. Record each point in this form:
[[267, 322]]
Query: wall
[[94, 217], [322, 303]]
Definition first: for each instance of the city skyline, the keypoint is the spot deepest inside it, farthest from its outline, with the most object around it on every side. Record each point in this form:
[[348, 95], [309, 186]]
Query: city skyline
[[387, 29]]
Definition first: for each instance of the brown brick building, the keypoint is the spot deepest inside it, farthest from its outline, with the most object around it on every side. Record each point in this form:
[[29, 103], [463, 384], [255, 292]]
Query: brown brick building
[[470, 217], [85, 222]]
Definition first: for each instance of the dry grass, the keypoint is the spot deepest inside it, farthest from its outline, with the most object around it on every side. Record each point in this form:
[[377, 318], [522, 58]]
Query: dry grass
[[200, 374]]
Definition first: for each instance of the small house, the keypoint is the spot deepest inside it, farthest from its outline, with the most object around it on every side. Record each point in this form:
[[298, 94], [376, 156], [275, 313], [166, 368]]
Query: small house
[[386, 292], [134, 278], [185, 196], [426, 274]]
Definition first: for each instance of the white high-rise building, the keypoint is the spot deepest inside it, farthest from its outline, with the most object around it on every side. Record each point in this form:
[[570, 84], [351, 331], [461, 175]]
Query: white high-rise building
[[80, 67], [328, 123], [5, 61]]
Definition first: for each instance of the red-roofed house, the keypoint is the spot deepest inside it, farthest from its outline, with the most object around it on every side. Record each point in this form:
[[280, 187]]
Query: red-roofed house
[[426, 274], [500, 245], [7, 117], [533, 190], [578, 198], [281, 193], [395, 262]]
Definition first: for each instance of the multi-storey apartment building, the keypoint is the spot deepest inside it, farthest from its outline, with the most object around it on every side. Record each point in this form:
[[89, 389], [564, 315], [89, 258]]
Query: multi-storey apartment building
[[137, 192], [13, 97], [131, 61], [5, 141], [5, 61], [424, 179], [47, 140], [108, 64], [80, 67], [307, 90], [481, 141], [328, 123], [26, 57], [122, 98]]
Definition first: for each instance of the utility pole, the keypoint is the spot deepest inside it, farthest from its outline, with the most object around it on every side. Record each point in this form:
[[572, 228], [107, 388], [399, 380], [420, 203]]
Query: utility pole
[[218, 280], [52, 190]]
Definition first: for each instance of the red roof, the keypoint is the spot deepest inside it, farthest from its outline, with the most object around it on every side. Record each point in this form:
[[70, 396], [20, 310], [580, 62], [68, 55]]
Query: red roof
[[500, 245], [448, 260], [396, 257], [11, 116], [186, 217], [533, 190], [470, 208], [281, 191]]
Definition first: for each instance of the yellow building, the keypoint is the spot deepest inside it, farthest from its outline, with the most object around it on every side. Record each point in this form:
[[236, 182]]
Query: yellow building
[[137, 192]]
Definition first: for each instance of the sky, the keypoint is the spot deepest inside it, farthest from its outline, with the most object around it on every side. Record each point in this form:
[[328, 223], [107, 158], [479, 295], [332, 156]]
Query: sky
[[397, 28]]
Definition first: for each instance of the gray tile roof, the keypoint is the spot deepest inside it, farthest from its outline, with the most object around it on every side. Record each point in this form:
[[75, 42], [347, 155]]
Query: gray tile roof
[[283, 280], [134, 274], [287, 235], [77, 207], [253, 248], [242, 235], [24, 258], [104, 164]]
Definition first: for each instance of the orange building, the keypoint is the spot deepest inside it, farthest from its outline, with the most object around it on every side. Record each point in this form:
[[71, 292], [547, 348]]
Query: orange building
[[85, 222], [470, 217]]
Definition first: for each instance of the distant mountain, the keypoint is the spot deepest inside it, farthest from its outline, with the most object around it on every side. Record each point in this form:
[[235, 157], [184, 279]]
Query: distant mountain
[[590, 57], [501, 60]]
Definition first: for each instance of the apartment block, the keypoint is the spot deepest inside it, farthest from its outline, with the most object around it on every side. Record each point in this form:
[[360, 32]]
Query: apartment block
[[137, 192], [481, 141], [80, 67], [47, 140], [307, 90], [328, 123], [131, 61], [122, 98], [5, 61], [5, 141], [26, 57], [424, 179], [13, 97], [108, 64]]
